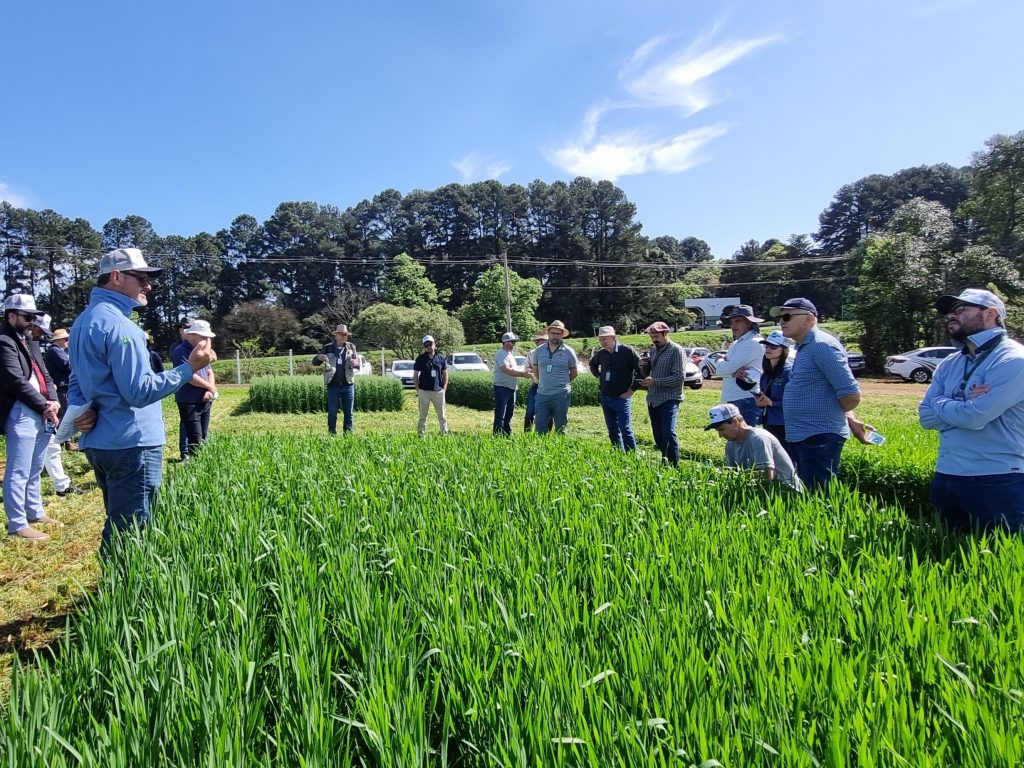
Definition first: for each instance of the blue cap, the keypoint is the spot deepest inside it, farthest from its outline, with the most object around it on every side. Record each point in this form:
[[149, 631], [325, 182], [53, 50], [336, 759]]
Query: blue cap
[[798, 303]]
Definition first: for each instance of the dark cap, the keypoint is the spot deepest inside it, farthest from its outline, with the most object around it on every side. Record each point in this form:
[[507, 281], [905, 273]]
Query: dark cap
[[798, 303], [741, 310]]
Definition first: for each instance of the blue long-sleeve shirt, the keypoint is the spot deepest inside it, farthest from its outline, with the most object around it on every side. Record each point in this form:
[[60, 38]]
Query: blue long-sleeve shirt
[[819, 377], [983, 435], [110, 369]]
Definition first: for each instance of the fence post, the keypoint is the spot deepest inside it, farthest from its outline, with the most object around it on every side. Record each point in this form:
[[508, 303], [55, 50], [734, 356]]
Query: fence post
[[238, 367], [291, 369], [382, 371]]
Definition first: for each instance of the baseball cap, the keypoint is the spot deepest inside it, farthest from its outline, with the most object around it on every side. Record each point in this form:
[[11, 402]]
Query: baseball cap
[[776, 339], [977, 297], [126, 260], [21, 302], [201, 328], [508, 337], [428, 339], [799, 303], [721, 413]]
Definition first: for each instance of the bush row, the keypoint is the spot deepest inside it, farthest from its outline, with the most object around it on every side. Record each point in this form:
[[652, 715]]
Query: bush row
[[476, 390], [307, 394]]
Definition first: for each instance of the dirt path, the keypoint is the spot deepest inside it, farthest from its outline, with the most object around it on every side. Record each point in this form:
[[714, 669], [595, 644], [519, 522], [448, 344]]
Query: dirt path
[[881, 385]]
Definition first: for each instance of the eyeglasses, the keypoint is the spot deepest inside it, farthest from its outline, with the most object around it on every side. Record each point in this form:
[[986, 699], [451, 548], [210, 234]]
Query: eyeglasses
[[140, 276], [959, 309], [790, 315]]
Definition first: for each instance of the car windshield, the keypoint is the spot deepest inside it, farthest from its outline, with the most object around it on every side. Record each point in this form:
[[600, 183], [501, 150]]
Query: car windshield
[[405, 365], [464, 359]]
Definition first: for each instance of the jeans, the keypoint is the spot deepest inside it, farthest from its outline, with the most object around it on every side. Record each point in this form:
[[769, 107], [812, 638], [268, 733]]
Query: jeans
[[343, 395], [195, 420], [980, 502], [54, 466], [182, 440], [663, 425], [504, 407], [553, 408], [130, 479], [817, 458], [436, 397], [618, 417], [749, 410], [26, 448], [531, 407]]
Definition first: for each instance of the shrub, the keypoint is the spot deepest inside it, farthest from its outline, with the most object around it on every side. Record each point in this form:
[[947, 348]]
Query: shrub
[[307, 394], [476, 390]]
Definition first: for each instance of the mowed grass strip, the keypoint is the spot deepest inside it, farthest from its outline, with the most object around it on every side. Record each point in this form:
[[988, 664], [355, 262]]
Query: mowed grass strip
[[478, 601]]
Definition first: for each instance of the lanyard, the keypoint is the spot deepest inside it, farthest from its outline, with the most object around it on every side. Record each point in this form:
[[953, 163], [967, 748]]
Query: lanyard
[[980, 354], [552, 354]]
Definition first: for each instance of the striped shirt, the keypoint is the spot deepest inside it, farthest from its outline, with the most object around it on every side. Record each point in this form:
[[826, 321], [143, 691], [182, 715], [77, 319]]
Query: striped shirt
[[820, 376], [668, 372]]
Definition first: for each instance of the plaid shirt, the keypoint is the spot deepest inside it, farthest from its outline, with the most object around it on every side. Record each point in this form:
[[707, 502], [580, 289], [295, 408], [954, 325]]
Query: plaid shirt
[[668, 372]]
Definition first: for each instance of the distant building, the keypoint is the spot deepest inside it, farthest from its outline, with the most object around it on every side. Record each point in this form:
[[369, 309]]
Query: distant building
[[709, 310]]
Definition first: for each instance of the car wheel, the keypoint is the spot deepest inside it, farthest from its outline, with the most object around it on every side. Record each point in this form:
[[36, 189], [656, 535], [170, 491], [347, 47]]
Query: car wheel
[[705, 372], [921, 376], [695, 384]]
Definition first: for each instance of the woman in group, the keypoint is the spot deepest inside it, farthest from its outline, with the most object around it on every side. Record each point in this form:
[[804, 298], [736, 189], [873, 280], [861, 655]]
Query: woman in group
[[777, 366]]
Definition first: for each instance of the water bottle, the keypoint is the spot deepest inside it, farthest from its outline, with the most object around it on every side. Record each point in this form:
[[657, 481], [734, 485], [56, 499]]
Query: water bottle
[[875, 438]]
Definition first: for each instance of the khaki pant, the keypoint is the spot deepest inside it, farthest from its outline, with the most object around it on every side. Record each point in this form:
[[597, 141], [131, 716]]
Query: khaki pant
[[427, 397]]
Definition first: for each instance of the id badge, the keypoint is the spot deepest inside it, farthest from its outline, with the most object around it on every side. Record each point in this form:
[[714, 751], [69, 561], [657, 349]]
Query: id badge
[[548, 369], [433, 373], [607, 375]]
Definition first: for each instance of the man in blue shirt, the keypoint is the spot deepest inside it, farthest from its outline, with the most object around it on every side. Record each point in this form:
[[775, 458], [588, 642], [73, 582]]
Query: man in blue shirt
[[123, 428], [976, 402], [554, 365], [820, 397]]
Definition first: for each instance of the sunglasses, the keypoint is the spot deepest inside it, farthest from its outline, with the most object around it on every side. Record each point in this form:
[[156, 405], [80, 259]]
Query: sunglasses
[[142, 277], [790, 315]]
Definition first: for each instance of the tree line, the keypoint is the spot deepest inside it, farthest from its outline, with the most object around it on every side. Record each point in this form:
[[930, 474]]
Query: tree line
[[575, 250]]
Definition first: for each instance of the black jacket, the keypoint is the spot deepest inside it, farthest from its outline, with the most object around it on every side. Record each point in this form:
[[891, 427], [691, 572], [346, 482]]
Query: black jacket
[[623, 365], [16, 375]]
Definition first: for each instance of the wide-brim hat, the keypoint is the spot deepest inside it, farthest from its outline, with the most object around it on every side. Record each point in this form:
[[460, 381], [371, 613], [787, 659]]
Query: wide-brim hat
[[201, 328], [22, 302], [342, 329], [59, 334], [558, 325], [540, 336], [606, 330], [741, 310]]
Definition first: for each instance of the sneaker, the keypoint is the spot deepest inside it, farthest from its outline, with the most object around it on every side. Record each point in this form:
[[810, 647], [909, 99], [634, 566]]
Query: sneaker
[[47, 520], [71, 489], [31, 534]]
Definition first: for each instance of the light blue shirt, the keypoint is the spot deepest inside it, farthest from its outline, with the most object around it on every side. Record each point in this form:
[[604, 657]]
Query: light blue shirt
[[553, 367], [983, 435], [110, 369], [820, 376]]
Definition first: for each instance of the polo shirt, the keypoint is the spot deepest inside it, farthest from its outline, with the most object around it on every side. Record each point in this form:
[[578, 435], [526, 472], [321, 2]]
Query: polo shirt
[[820, 376], [553, 367], [430, 368]]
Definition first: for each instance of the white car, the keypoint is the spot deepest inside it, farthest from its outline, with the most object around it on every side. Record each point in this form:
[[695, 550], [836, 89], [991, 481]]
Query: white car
[[364, 368], [692, 377], [402, 370], [918, 365], [466, 361]]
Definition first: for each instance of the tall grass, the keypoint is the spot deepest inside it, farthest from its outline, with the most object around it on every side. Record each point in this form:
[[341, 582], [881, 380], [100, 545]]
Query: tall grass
[[472, 601], [476, 390], [307, 394]]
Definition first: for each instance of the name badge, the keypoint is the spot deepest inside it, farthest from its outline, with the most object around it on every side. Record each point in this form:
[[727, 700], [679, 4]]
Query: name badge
[[548, 369], [608, 376], [433, 373]]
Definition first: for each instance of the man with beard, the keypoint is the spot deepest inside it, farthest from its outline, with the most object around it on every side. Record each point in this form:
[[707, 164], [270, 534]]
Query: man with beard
[[976, 402], [666, 370]]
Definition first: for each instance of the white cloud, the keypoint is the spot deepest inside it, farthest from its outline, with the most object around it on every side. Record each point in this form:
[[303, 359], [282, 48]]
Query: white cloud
[[476, 167], [629, 154], [677, 80], [10, 196]]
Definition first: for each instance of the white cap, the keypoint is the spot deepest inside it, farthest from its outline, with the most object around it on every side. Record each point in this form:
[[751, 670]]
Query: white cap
[[976, 296], [721, 413], [21, 302], [201, 328], [428, 339], [508, 337], [126, 260], [776, 339]]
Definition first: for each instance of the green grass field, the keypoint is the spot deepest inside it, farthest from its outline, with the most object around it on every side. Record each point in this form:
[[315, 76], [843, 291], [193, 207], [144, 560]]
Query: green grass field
[[386, 600]]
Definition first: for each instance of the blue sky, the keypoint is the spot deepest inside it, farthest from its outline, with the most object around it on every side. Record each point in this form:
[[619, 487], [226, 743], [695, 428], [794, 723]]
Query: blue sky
[[726, 121]]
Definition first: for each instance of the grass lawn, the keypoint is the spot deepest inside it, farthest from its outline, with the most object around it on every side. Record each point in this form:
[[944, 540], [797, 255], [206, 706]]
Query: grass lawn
[[42, 582]]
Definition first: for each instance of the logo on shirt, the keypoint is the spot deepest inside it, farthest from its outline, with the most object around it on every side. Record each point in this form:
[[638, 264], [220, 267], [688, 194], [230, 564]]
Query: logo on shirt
[[125, 340]]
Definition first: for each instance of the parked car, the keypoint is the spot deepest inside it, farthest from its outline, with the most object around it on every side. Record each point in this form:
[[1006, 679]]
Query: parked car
[[402, 370], [918, 365], [696, 353], [466, 361], [691, 375], [363, 367], [857, 362], [709, 363]]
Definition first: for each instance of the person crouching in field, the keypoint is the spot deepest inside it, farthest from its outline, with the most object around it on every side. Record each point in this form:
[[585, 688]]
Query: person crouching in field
[[750, 447]]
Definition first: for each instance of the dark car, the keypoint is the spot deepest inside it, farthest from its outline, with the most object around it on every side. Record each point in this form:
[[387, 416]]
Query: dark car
[[857, 362]]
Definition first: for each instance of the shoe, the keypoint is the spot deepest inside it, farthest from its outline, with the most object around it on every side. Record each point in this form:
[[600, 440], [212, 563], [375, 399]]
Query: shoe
[[69, 490], [31, 534], [47, 520], [71, 446]]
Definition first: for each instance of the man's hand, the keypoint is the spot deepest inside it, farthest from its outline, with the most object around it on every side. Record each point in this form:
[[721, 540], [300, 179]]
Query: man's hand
[[86, 421], [859, 428], [648, 382], [977, 390], [50, 411], [763, 400], [202, 355], [207, 396], [627, 394]]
